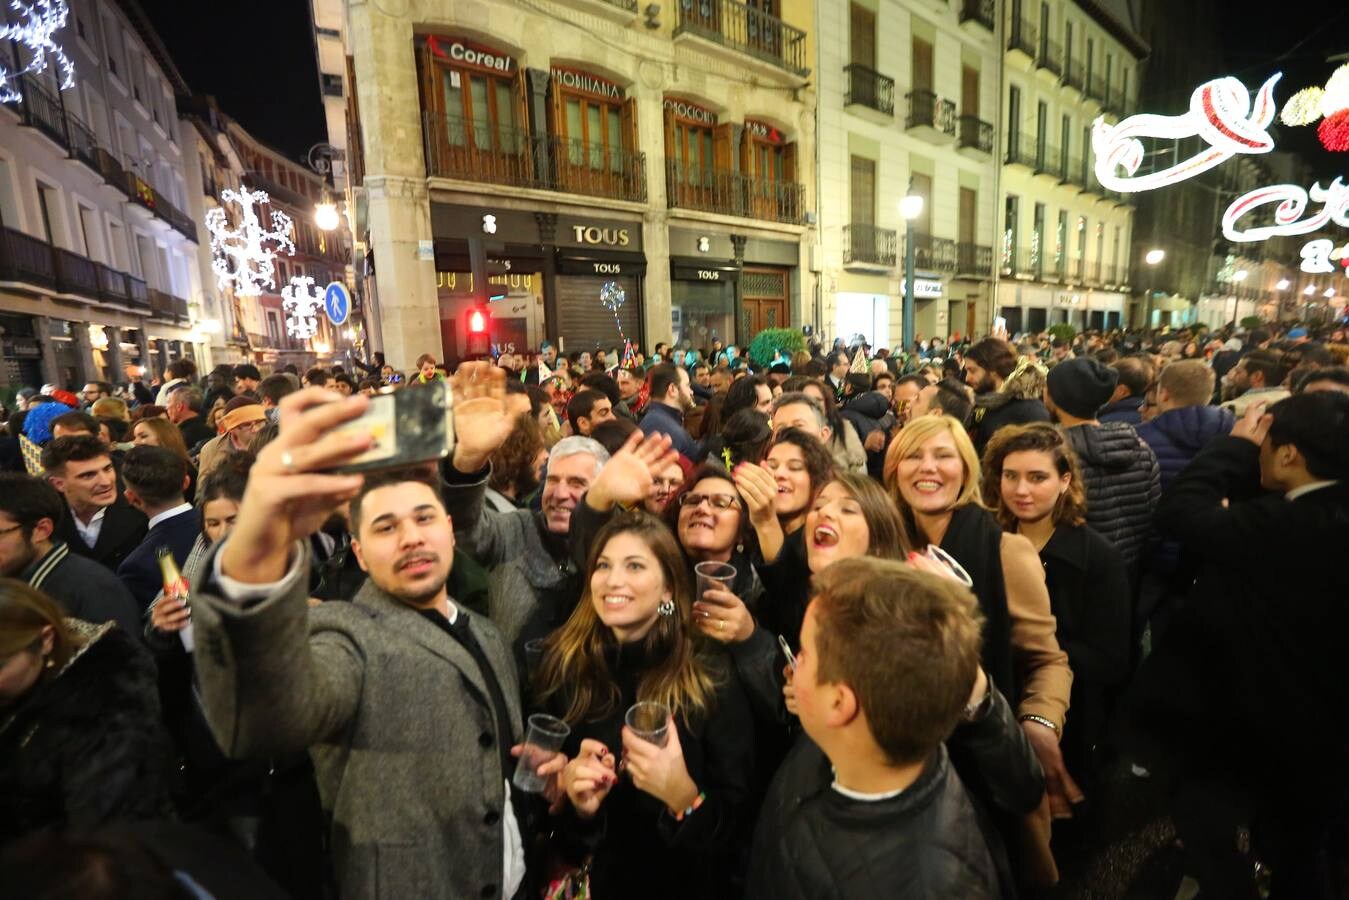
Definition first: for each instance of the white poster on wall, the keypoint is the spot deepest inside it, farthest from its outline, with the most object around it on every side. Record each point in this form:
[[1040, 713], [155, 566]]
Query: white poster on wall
[[864, 314]]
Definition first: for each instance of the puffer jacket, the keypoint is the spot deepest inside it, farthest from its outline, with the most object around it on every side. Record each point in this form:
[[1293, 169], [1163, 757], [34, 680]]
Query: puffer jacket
[[1123, 484], [1177, 435], [929, 841]]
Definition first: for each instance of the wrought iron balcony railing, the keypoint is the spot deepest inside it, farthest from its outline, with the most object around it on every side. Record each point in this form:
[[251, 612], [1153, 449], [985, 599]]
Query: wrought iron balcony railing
[[934, 253], [976, 133], [974, 260], [928, 110], [733, 194], [869, 244], [981, 11], [869, 88], [1050, 56], [1025, 37], [752, 31]]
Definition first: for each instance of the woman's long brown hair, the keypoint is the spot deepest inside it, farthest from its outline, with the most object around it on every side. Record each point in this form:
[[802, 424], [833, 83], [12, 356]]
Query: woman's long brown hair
[[575, 666]]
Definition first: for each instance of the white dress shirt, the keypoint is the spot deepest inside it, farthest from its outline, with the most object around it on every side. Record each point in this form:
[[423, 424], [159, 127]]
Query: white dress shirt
[[169, 514], [89, 532]]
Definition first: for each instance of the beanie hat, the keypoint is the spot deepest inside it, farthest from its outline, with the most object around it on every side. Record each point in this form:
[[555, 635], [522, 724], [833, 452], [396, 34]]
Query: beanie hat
[[1082, 386]]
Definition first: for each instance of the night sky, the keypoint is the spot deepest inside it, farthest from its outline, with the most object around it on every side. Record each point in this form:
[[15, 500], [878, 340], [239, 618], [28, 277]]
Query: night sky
[[257, 58], [1295, 37]]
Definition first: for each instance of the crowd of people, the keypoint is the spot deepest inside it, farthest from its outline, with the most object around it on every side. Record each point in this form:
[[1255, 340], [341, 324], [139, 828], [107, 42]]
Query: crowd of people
[[1045, 617]]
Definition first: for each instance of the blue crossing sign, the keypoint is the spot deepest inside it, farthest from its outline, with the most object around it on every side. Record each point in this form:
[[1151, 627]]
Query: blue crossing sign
[[337, 303]]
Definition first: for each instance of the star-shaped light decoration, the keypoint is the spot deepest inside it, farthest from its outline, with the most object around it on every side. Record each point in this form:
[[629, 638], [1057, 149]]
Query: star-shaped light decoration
[[242, 258], [32, 29], [301, 301]]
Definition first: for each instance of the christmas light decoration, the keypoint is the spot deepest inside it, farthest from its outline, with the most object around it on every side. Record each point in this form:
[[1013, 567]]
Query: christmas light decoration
[[1303, 108], [1220, 113], [612, 296], [1336, 95], [1292, 203], [240, 257], [33, 28], [301, 301], [1334, 131]]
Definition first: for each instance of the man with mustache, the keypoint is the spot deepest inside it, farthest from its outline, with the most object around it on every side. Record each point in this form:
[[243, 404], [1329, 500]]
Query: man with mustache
[[533, 582], [98, 523], [406, 701]]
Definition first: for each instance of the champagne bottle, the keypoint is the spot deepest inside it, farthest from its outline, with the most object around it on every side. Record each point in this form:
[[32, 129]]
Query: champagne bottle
[[176, 588]]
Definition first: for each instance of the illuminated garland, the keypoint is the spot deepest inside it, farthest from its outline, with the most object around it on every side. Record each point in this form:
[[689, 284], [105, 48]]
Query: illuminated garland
[[1303, 108], [238, 257], [35, 25], [301, 300]]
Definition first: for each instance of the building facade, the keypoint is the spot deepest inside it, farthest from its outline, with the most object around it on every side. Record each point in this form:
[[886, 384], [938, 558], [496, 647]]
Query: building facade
[[908, 104], [586, 170], [1065, 239], [99, 263]]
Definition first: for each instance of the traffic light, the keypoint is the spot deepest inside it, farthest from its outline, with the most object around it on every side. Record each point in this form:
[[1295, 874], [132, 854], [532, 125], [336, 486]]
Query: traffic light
[[479, 337]]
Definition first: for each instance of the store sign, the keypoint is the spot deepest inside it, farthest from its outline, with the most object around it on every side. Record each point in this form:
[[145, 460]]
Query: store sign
[[926, 289], [686, 272], [691, 112], [602, 268], [471, 55], [586, 83], [763, 131], [594, 235]]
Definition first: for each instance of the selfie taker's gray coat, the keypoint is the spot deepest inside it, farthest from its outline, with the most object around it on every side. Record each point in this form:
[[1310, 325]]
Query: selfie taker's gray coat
[[395, 715]]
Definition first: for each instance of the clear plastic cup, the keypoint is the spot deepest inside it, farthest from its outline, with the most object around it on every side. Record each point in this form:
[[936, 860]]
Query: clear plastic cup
[[650, 721], [713, 576], [543, 738]]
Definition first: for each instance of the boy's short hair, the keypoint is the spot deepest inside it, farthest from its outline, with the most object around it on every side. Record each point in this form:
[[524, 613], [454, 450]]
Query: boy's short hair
[[376, 480], [906, 643]]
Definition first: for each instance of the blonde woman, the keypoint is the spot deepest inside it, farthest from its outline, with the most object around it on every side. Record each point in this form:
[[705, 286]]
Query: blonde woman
[[932, 474]]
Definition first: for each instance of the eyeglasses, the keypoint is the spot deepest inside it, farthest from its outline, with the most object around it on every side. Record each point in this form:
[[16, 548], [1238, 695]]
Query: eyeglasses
[[716, 501]]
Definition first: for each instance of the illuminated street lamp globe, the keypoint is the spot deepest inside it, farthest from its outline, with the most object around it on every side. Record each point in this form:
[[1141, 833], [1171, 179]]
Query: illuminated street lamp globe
[[1154, 256], [326, 216], [1283, 284]]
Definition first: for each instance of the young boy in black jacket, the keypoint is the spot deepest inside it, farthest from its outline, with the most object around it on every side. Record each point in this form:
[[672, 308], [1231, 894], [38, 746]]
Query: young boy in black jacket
[[870, 805]]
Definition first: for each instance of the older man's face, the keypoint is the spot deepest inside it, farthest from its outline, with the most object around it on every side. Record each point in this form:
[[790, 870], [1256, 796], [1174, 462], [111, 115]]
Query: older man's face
[[568, 479]]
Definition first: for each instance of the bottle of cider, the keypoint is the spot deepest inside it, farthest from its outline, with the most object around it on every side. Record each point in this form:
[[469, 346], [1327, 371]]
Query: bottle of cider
[[175, 588]]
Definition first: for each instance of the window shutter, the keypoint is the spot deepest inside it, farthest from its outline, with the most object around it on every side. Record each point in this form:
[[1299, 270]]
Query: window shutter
[[629, 125], [789, 163], [723, 148]]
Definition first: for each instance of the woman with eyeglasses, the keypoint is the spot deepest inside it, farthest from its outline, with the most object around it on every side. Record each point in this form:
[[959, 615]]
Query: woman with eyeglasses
[[932, 474], [1032, 484]]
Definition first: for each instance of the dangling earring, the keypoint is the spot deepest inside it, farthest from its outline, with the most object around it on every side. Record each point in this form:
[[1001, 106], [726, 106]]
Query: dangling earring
[[50, 662], [740, 547], [666, 607]]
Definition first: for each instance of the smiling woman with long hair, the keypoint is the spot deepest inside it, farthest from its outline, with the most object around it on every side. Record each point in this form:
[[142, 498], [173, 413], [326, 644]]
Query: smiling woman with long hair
[[654, 819]]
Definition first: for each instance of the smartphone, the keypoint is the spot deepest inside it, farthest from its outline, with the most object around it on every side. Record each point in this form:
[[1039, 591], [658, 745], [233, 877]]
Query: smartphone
[[787, 652], [409, 426]]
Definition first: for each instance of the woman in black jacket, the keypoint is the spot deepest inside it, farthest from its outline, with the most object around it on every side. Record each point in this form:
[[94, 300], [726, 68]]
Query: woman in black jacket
[[81, 744], [1031, 482], [654, 820]]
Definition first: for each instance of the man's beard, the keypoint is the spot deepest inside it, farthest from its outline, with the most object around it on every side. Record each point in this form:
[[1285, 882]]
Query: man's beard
[[986, 385], [21, 562], [422, 595]]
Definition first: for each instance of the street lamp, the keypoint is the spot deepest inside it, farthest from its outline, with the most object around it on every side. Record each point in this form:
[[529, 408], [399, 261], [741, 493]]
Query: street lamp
[[1152, 258], [325, 214], [910, 207]]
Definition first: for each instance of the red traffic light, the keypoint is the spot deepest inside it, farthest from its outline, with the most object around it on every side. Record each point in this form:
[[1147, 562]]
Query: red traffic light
[[477, 321]]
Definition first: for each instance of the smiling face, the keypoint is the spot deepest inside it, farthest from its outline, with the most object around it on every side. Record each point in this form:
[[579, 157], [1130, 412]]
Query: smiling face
[[144, 436], [88, 484], [404, 541], [627, 586], [664, 485], [787, 464], [1031, 484], [835, 528], [706, 532], [930, 477], [568, 478]]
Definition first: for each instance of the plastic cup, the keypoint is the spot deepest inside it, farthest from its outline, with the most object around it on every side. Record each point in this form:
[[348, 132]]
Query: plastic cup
[[534, 655], [544, 737], [713, 576], [649, 721]]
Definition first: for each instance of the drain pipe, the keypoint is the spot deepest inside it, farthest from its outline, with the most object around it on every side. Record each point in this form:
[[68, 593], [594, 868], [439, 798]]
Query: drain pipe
[[999, 204]]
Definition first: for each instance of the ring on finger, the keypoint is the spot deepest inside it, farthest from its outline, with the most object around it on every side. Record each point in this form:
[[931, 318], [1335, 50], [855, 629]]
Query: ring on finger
[[287, 461], [721, 624]]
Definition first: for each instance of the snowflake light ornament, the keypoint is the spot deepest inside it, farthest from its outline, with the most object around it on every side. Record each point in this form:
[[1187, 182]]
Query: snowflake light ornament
[[301, 300], [239, 257], [33, 29]]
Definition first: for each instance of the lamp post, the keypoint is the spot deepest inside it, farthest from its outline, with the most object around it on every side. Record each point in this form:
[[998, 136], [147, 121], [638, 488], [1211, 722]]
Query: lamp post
[[1152, 258], [911, 207]]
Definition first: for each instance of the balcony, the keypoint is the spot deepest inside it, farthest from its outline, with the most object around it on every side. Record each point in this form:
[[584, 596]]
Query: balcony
[[1024, 38], [868, 88], [512, 157], [976, 137], [1050, 58], [39, 108], [933, 253], [1049, 162], [167, 306], [1073, 171], [1073, 75], [978, 11], [930, 117], [869, 245], [745, 30], [27, 260], [1021, 150], [974, 261], [1027, 263], [733, 194], [142, 192]]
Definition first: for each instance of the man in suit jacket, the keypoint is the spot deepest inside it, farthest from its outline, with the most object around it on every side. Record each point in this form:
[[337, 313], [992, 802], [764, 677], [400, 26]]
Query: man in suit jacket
[[29, 511], [407, 702], [97, 524], [155, 481]]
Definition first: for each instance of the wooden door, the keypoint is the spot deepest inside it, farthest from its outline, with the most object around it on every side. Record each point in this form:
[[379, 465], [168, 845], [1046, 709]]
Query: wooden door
[[862, 45], [969, 211], [969, 91], [969, 317], [763, 299], [922, 65]]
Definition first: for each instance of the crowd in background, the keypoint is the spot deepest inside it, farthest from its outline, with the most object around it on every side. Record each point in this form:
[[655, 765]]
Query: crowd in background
[[1051, 616]]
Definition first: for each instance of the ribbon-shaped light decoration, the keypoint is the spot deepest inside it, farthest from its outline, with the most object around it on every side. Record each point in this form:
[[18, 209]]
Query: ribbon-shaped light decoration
[[1288, 219], [1220, 113]]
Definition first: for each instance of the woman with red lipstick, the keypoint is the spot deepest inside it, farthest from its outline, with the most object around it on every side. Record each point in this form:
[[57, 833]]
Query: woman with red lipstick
[[1031, 482]]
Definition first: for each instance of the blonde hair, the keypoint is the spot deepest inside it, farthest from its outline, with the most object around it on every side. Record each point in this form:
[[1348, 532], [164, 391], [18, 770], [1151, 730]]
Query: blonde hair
[[110, 408], [24, 612], [914, 435], [1189, 382]]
